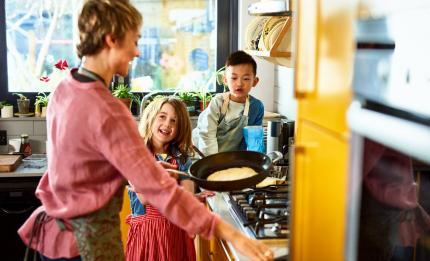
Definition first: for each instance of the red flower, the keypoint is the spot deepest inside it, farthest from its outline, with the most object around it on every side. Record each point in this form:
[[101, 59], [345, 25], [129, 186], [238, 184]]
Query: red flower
[[44, 78], [62, 64]]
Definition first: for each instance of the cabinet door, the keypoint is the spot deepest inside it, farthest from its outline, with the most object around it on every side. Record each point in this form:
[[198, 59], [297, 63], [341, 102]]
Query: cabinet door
[[319, 195], [325, 48]]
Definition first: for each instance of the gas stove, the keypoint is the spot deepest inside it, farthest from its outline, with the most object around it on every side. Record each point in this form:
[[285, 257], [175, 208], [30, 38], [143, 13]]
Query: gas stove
[[265, 211]]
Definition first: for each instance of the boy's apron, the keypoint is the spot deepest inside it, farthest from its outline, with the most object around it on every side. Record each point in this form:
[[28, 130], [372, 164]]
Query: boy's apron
[[97, 235], [230, 132]]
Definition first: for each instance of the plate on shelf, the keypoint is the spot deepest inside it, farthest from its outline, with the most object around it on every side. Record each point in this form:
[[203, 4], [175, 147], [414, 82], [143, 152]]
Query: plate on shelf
[[268, 27], [24, 114], [253, 32]]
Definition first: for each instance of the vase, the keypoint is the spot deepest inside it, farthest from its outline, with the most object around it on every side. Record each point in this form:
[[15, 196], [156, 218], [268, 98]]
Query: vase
[[23, 106], [43, 111], [126, 101], [7, 111]]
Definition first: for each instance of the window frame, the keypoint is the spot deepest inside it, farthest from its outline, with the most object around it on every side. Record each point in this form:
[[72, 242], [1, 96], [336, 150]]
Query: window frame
[[227, 41]]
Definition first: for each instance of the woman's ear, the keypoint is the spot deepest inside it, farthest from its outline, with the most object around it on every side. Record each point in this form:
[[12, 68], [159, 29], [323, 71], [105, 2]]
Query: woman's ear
[[256, 80], [110, 40]]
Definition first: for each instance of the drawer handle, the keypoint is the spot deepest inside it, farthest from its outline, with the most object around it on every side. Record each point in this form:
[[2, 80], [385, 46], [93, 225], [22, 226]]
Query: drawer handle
[[8, 211]]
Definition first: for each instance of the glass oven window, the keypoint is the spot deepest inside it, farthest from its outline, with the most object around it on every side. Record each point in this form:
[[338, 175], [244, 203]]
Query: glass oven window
[[394, 221]]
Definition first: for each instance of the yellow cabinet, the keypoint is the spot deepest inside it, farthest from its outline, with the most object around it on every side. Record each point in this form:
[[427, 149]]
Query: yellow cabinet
[[211, 250], [319, 195], [324, 60]]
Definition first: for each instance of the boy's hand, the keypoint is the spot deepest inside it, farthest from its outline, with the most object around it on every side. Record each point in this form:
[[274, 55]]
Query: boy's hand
[[204, 194]]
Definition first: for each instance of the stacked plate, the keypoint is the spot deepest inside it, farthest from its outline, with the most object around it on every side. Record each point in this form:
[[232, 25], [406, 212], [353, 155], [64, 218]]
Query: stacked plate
[[262, 33], [254, 31]]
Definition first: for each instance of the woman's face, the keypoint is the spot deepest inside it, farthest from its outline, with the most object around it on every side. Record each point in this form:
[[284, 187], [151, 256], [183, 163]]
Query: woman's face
[[164, 127], [124, 52]]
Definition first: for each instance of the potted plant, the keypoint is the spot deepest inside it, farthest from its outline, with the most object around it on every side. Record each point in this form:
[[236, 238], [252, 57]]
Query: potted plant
[[123, 92], [203, 94], [6, 109], [204, 99], [23, 103], [189, 99], [41, 104]]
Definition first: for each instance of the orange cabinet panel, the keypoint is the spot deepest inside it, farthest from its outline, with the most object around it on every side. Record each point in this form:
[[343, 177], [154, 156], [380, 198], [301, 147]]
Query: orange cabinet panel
[[125, 211], [319, 194], [324, 61]]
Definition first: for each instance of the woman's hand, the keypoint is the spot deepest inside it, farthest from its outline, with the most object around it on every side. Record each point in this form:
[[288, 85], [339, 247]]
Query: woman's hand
[[253, 249]]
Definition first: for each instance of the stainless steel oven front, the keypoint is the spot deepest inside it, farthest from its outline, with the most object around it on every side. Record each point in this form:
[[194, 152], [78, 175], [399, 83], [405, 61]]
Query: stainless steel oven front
[[389, 119]]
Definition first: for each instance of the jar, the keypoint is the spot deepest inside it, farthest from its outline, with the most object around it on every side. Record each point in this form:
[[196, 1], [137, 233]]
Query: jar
[[25, 145]]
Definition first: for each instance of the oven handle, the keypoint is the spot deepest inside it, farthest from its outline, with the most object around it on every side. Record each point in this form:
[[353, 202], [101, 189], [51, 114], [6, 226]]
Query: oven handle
[[408, 137]]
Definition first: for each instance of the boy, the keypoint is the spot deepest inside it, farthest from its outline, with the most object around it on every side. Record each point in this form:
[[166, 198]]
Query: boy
[[220, 126]]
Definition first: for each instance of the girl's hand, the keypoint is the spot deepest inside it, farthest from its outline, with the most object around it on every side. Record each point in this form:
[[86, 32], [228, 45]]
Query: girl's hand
[[251, 248], [204, 194], [167, 165]]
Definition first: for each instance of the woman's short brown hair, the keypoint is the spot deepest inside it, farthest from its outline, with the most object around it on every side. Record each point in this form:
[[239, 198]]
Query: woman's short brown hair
[[183, 137], [101, 17]]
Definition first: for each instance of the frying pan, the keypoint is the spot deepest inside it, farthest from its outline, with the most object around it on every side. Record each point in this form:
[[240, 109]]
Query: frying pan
[[204, 167]]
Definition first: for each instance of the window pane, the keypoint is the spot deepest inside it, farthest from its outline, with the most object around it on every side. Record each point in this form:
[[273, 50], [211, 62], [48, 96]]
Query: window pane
[[177, 47], [178, 44], [38, 34]]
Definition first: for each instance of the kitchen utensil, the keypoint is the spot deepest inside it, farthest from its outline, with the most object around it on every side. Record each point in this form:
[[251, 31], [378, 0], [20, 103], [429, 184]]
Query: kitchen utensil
[[9, 163], [204, 167]]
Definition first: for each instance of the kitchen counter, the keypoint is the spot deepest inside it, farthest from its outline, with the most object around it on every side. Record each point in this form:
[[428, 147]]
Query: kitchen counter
[[219, 205], [32, 168]]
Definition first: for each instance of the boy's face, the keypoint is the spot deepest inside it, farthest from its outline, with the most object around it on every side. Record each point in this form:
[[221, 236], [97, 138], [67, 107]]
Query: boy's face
[[240, 79]]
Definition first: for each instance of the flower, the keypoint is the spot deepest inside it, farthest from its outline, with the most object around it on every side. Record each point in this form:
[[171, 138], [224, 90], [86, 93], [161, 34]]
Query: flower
[[61, 64]]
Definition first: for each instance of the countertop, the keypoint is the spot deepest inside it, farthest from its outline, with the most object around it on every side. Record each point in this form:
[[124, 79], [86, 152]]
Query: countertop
[[27, 168], [219, 205]]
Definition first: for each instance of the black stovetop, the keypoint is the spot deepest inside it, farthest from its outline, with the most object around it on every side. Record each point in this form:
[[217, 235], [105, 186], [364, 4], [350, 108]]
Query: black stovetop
[[264, 211]]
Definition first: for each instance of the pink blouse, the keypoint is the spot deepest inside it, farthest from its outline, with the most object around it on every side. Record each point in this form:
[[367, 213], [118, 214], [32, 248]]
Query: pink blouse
[[93, 148]]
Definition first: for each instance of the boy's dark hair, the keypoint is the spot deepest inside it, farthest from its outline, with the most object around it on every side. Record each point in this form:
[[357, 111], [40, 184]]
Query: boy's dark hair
[[240, 57]]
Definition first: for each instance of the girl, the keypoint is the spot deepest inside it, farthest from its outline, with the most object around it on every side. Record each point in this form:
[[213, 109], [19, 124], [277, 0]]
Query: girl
[[166, 131]]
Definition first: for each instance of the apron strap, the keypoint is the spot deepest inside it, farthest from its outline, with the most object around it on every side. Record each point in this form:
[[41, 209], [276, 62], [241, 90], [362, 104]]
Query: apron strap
[[226, 98], [246, 110], [91, 75]]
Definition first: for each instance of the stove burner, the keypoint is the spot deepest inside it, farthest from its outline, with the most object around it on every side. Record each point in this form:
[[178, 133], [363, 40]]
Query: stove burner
[[264, 210]]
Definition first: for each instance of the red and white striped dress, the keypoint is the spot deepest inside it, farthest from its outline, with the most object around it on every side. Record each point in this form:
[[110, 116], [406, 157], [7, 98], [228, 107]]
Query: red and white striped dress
[[152, 237]]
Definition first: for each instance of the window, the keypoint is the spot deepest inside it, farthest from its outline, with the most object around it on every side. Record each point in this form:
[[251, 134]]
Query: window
[[182, 43]]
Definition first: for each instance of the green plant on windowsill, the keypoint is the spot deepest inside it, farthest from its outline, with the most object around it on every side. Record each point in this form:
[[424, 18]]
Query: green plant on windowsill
[[123, 92], [203, 93], [41, 104], [4, 103]]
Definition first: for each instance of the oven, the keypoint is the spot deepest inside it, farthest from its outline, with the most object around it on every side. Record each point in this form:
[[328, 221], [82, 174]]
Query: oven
[[389, 119]]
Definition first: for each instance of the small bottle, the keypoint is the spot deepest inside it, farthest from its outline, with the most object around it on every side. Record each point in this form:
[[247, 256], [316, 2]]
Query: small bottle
[[25, 145]]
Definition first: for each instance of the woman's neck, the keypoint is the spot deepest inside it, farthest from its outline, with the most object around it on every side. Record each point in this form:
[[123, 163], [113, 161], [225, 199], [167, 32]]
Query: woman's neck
[[97, 64]]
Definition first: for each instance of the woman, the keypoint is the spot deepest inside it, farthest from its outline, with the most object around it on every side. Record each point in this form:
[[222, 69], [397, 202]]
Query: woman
[[94, 146]]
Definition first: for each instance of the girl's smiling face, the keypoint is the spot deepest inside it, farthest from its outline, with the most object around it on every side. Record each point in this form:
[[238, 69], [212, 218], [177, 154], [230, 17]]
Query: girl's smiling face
[[164, 128]]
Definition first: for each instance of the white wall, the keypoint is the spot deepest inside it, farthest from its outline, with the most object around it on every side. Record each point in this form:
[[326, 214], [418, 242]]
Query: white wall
[[265, 70], [275, 88], [285, 103]]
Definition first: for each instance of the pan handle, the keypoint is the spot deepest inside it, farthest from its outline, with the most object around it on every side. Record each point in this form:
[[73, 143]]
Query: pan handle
[[199, 151], [275, 156], [180, 173]]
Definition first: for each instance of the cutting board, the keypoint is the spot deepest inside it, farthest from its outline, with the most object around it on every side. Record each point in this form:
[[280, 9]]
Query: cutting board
[[9, 163]]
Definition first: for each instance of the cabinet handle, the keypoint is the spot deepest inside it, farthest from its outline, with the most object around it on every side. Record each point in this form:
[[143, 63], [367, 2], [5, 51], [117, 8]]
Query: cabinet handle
[[21, 211]]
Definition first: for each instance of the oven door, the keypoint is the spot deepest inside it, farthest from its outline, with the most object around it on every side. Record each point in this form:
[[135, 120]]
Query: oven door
[[389, 191]]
